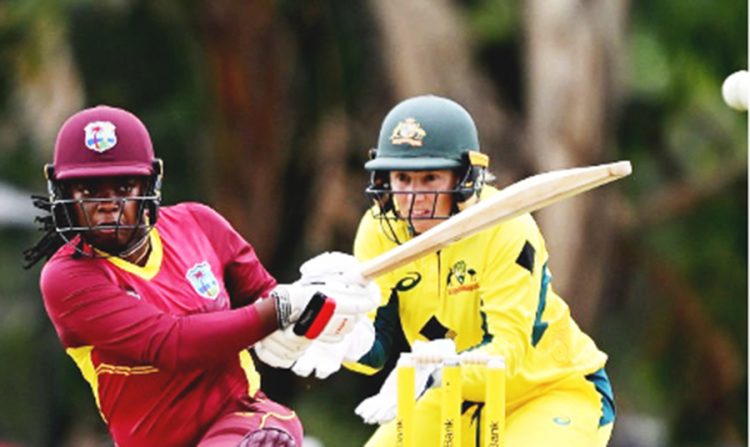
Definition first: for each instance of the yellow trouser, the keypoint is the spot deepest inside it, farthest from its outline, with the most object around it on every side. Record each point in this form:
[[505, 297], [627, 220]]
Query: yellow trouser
[[566, 416]]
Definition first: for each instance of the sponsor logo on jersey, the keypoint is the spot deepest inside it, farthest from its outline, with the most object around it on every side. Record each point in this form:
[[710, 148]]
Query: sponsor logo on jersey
[[203, 280], [408, 131], [100, 136], [408, 282]]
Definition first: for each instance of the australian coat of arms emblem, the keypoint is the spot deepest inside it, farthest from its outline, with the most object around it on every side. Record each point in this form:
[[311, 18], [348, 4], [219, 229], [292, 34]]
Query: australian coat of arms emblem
[[408, 131]]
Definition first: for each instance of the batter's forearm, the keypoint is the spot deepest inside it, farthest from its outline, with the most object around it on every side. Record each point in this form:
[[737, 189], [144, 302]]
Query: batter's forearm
[[205, 339]]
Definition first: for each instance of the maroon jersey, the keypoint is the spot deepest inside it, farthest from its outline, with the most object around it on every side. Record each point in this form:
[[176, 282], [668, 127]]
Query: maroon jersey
[[163, 346]]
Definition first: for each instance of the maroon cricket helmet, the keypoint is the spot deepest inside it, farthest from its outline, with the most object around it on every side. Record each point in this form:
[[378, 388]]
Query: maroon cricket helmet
[[103, 141]]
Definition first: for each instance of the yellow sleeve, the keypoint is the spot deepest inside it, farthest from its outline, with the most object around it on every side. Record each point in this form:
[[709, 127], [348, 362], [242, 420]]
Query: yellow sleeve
[[369, 242]]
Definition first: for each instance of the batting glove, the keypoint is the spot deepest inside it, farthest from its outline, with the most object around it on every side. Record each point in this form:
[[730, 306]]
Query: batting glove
[[332, 266], [281, 348], [337, 275], [305, 306], [325, 358]]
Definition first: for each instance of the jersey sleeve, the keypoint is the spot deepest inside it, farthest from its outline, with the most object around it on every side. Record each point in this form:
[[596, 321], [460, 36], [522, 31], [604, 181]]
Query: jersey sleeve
[[512, 296], [245, 277], [89, 309], [367, 245]]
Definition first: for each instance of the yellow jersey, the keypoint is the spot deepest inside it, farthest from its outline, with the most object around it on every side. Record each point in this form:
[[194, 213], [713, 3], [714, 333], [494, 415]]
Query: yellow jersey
[[490, 292]]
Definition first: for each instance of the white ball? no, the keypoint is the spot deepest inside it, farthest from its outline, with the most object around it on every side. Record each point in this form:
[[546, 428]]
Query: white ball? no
[[735, 90]]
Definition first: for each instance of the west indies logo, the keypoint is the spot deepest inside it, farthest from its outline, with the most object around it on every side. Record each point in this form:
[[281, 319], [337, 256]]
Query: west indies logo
[[203, 280], [100, 136]]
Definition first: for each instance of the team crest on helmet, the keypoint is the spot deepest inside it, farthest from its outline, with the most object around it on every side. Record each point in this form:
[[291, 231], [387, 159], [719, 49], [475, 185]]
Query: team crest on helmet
[[100, 136], [203, 280], [408, 131]]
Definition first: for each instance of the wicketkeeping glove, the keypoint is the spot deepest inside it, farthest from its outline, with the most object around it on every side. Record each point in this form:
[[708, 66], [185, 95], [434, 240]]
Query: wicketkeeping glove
[[381, 408]]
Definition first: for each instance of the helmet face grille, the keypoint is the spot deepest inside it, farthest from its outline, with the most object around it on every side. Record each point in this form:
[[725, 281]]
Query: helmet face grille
[[67, 226], [385, 210], [63, 210], [470, 184], [64, 221]]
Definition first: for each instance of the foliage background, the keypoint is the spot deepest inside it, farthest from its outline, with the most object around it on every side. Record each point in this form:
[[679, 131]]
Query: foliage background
[[265, 110]]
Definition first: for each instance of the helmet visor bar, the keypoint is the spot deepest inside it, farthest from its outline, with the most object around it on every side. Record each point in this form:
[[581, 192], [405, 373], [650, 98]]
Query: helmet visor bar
[[66, 222], [384, 197]]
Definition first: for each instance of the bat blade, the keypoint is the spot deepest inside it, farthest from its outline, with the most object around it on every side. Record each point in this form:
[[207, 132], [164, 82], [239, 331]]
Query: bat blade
[[525, 196]]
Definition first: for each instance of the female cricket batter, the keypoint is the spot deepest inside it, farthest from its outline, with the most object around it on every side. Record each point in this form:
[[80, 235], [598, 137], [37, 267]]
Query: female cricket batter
[[157, 305], [490, 293]]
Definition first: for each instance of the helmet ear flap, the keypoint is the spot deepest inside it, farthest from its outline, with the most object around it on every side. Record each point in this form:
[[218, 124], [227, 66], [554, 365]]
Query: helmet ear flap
[[155, 190], [472, 179], [158, 167], [49, 171], [379, 188], [49, 175], [60, 212]]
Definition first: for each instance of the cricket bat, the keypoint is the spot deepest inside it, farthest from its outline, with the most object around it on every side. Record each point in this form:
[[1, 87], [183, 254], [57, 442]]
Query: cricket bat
[[525, 196]]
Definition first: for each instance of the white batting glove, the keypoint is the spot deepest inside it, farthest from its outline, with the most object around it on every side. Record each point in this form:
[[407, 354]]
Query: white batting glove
[[337, 275], [281, 348], [352, 303], [325, 358], [381, 408], [294, 300], [333, 265]]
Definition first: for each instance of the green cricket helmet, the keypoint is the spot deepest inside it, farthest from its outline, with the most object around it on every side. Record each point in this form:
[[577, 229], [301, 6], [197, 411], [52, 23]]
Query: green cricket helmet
[[426, 133]]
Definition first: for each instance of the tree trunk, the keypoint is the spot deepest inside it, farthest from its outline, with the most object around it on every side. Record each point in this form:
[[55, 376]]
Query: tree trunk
[[574, 55], [244, 48]]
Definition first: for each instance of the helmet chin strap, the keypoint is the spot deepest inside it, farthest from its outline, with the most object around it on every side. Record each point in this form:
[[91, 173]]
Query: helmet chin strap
[[130, 248], [137, 244], [135, 247]]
